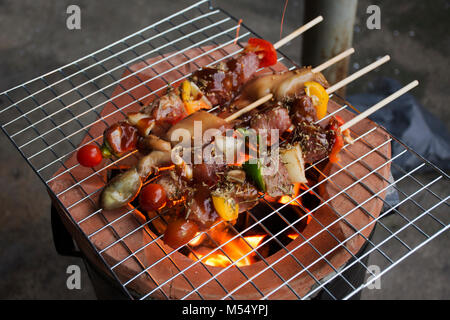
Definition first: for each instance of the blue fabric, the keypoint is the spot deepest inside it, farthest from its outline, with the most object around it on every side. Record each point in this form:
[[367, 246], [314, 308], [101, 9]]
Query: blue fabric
[[410, 122]]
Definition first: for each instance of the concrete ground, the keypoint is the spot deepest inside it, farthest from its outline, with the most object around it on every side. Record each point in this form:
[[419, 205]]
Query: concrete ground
[[35, 40]]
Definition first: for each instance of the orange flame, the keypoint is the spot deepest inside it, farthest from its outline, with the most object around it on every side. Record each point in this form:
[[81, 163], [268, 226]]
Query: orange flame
[[197, 239], [293, 236], [231, 252], [290, 200]]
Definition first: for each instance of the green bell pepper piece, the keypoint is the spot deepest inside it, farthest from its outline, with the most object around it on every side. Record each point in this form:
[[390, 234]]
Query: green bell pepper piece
[[106, 150], [254, 172]]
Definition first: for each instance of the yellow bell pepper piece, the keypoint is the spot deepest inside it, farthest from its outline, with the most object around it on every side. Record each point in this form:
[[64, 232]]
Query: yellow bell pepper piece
[[193, 106], [186, 90], [319, 96], [227, 208]]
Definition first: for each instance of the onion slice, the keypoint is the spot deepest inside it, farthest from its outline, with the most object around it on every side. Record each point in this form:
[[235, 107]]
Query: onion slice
[[293, 160]]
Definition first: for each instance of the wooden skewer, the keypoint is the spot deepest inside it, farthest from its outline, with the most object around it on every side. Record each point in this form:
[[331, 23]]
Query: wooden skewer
[[330, 90], [358, 74], [278, 45], [332, 61], [379, 105], [270, 96], [252, 106], [298, 32]]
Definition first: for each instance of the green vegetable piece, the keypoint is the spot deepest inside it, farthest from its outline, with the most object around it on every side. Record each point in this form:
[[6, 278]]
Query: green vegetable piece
[[106, 150], [254, 172]]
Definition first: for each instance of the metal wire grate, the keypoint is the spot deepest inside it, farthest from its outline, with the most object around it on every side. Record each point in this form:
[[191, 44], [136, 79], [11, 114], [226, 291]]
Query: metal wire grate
[[50, 117]]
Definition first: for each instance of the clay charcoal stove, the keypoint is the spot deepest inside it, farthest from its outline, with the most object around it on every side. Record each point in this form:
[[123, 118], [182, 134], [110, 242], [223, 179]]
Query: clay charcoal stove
[[312, 243]]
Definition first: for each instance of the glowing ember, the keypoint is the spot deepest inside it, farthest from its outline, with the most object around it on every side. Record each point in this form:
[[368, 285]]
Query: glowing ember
[[254, 241], [197, 239], [293, 236], [290, 200], [242, 249], [230, 252]]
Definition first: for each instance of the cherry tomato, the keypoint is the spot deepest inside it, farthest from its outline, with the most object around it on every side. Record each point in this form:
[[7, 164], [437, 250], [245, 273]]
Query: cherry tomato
[[153, 197], [180, 232], [265, 51], [89, 156]]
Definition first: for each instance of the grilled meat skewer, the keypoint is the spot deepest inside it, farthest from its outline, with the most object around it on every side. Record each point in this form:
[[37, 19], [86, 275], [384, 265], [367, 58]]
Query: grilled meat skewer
[[207, 87], [276, 117]]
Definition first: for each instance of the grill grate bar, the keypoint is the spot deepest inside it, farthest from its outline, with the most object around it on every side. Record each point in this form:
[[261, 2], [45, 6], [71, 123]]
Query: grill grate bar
[[183, 11], [336, 247], [120, 94], [303, 237], [386, 203], [400, 260], [418, 182], [284, 248], [46, 118], [403, 228], [265, 218], [290, 226]]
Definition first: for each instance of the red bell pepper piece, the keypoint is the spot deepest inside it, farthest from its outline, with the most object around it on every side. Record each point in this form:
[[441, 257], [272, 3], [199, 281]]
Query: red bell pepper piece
[[335, 125], [338, 145], [265, 51]]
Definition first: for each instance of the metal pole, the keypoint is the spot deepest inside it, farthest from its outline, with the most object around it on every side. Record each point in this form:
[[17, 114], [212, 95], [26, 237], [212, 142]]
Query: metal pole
[[331, 37]]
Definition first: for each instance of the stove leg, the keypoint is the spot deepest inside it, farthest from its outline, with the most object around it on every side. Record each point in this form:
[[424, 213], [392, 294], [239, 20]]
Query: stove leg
[[104, 287], [62, 239]]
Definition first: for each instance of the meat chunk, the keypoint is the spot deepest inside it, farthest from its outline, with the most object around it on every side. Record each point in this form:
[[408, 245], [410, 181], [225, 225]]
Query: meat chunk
[[167, 110], [315, 141], [223, 82], [303, 110], [246, 196], [284, 85], [200, 209], [121, 138], [278, 183], [207, 173], [273, 119], [173, 185]]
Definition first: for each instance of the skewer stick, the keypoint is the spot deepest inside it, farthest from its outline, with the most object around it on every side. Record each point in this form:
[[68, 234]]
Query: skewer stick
[[252, 106], [269, 96], [332, 61], [278, 45], [298, 32], [358, 74], [379, 105]]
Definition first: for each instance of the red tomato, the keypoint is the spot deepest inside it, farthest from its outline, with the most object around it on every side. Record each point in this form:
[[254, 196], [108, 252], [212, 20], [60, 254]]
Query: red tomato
[[180, 232], [265, 51], [89, 156], [153, 197]]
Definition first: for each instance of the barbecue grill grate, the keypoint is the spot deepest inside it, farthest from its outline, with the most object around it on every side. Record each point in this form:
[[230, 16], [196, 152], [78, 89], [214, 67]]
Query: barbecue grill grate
[[47, 119]]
